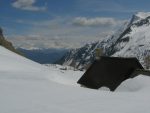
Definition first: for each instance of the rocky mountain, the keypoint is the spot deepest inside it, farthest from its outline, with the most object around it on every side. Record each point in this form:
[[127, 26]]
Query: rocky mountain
[[131, 40], [7, 44], [79, 57]]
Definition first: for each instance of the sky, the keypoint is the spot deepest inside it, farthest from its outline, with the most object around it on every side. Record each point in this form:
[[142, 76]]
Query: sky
[[64, 23]]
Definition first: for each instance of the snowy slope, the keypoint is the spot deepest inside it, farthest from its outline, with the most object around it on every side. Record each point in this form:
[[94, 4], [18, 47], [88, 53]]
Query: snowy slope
[[27, 87]]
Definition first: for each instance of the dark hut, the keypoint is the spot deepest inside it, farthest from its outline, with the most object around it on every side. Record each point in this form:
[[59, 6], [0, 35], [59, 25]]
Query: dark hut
[[109, 72]]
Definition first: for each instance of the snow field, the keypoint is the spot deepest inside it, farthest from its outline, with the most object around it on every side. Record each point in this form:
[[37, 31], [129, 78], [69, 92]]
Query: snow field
[[28, 87]]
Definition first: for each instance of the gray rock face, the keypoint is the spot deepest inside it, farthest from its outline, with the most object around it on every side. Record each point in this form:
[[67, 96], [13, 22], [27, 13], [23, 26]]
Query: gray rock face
[[1, 33], [7, 44]]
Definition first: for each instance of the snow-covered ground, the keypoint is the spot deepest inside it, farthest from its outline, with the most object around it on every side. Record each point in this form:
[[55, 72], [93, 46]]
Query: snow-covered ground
[[28, 87]]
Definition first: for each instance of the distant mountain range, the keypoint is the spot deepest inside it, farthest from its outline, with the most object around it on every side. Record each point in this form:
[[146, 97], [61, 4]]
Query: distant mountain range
[[43, 56], [131, 40]]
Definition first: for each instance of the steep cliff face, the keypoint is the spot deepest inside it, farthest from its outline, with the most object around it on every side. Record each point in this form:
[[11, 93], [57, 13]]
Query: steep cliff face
[[131, 40], [136, 41], [7, 44]]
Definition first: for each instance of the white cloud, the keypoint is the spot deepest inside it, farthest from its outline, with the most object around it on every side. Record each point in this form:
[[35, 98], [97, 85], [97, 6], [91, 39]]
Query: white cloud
[[98, 21], [27, 5], [59, 33]]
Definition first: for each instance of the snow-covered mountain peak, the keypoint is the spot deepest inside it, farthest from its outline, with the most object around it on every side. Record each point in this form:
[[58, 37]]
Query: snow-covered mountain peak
[[142, 15], [139, 16]]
